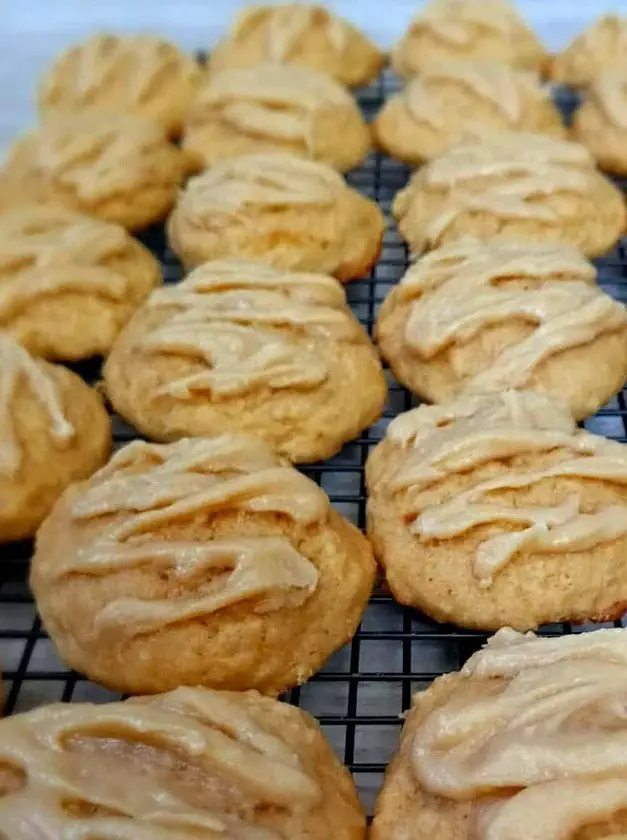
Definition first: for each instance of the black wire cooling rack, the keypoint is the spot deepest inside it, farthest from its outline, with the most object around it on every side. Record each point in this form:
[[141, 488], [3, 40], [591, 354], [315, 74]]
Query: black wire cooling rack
[[361, 694]]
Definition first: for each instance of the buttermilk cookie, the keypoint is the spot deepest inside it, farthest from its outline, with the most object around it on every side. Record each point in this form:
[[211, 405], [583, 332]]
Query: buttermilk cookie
[[118, 167], [209, 561], [243, 347], [68, 282], [599, 48], [53, 430], [601, 122], [133, 74], [292, 213], [192, 763], [461, 100], [517, 185], [274, 108], [489, 752], [474, 316], [496, 510], [449, 30], [302, 34]]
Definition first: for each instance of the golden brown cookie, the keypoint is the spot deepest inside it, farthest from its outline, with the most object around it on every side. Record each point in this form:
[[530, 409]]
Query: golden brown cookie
[[515, 185], [599, 48], [295, 214], [302, 34], [276, 108], [209, 561], [118, 167], [474, 316], [496, 510], [192, 763], [601, 122], [240, 346], [132, 74], [452, 30], [68, 282], [461, 100], [525, 741], [53, 430]]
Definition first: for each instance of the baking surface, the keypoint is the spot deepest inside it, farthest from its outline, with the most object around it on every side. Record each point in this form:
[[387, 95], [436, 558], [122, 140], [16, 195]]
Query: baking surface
[[360, 695]]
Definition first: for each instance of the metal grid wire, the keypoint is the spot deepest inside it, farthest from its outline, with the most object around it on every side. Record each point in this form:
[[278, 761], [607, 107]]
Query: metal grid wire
[[362, 692]]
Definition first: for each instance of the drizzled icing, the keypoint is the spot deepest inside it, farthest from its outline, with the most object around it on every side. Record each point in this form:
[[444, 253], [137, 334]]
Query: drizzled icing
[[146, 489], [270, 100], [260, 181], [39, 245], [495, 83], [99, 154], [454, 21], [504, 173], [249, 325], [17, 369], [460, 289], [539, 746], [609, 92], [83, 753], [136, 65], [458, 438], [286, 26]]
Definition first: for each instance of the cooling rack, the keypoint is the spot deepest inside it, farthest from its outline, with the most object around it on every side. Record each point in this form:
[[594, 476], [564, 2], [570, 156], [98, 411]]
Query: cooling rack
[[361, 694]]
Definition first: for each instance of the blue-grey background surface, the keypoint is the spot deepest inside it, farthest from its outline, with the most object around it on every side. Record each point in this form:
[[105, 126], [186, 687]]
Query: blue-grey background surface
[[33, 31]]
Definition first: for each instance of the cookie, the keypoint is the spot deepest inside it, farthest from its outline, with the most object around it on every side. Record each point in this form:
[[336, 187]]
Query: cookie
[[68, 282], [601, 122], [459, 101], [191, 763], [193, 563], [276, 108], [488, 752], [479, 317], [301, 34], [496, 510], [54, 430], [599, 48], [295, 214], [240, 346], [452, 30], [132, 74], [118, 167], [515, 185]]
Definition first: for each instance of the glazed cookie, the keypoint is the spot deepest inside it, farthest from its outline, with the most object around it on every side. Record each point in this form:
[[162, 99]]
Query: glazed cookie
[[275, 108], [601, 122], [459, 101], [133, 74], [600, 48], [475, 316], [192, 763], [516, 185], [243, 347], [488, 752], [194, 564], [496, 510], [69, 283], [450, 30], [304, 34], [120, 168], [53, 430], [292, 213]]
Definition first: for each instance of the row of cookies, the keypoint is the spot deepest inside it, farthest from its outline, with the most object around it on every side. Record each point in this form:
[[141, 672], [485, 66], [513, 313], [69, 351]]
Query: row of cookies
[[269, 107], [486, 752], [97, 73]]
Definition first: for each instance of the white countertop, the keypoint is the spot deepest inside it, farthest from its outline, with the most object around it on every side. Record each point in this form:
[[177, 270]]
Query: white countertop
[[34, 31]]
